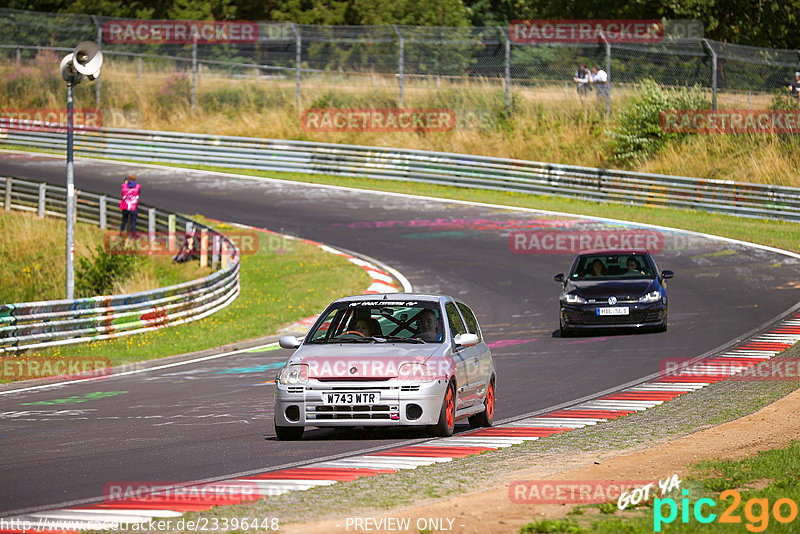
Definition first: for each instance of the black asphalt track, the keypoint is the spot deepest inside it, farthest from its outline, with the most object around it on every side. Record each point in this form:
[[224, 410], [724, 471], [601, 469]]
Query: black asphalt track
[[213, 418]]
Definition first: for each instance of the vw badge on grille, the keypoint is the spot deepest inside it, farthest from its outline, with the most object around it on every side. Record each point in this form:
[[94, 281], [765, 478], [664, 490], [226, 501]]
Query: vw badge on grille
[[612, 300]]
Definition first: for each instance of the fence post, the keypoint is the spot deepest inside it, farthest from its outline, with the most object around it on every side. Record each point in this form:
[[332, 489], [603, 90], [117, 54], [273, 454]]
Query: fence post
[[297, 60], [99, 80], [400, 63], [151, 226], [194, 71], [103, 213], [42, 194], [171, 232], [139, 65], [7, 203], [203, 248], [713, 54], [507, 44], [608, 74], [19, 57]]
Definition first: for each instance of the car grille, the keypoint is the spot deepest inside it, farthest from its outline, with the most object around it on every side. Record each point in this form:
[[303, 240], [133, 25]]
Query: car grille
[[374, 411], [590, 317]]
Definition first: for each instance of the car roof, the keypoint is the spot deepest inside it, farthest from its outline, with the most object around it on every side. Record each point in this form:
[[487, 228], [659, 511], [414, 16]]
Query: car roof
[[614, 251], [392, 297]]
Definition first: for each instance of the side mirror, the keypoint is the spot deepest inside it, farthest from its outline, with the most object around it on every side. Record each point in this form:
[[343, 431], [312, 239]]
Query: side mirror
[[559, 278], [667, 274], [289, 342], [466, 340]]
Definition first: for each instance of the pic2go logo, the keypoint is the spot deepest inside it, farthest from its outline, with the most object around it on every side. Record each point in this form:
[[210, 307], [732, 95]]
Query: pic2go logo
[[756, 511]]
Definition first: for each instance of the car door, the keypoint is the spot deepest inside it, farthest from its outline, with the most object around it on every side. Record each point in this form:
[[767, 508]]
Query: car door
[[460, 356], [481, 368]]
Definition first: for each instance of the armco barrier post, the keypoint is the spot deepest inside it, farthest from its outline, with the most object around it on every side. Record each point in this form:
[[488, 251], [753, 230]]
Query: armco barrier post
[[171, 232], [151, 226], [103, 212], [7, 203], [42, 194], [215, 251], [203, 248], [225, 254]]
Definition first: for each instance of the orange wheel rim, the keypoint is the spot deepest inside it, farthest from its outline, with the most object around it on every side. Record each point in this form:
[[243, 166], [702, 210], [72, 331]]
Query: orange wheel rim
[[450, 407], [490, 401]]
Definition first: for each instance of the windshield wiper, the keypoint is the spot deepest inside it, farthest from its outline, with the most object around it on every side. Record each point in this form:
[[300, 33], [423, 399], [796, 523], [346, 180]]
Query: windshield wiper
[[357, 340], [404, 339]]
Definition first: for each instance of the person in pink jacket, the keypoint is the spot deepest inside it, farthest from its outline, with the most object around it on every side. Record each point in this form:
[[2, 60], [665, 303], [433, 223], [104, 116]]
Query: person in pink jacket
[[129, 203]]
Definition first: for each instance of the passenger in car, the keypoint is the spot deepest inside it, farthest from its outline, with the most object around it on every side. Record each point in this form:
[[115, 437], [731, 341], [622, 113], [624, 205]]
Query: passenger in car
[[428, 326], [597, 269]]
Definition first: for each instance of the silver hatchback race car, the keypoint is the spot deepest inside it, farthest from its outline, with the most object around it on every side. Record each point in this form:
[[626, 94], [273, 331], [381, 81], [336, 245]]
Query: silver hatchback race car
[[387, 360]]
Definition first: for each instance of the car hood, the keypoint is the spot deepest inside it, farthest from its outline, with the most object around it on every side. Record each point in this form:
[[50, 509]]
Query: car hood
[[370, 361], [602, 289]]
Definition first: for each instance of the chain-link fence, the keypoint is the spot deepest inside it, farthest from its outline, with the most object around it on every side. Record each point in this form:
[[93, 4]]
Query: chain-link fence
[[394, 66]]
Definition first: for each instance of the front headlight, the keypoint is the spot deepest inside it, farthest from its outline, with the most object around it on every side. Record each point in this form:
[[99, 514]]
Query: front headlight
[[292, 375], [653, 296], [418, 372], [573, 298]]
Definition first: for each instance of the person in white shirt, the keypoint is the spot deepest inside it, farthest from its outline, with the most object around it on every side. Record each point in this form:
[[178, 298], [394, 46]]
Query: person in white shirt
[[600, 78]]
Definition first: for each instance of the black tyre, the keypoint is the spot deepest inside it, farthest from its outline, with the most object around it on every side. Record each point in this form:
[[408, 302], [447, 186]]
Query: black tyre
[[447, 415], [565, 332], [486, 417], [289, 433]]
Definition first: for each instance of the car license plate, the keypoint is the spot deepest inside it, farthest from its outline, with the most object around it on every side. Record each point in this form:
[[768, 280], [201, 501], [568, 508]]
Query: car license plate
[[348, 398], [618, 310]]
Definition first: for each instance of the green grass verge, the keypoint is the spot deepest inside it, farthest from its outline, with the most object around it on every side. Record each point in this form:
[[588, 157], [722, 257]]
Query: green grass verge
[[285, 281]]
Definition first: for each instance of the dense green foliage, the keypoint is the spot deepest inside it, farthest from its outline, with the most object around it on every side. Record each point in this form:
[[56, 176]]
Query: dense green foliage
[[770, 24], [639, 133], [97, 276]]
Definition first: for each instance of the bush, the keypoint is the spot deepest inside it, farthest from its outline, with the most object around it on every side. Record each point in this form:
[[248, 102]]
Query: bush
[[236, 99], [783, 101], [97, 276], [175, 91], [639, 134]]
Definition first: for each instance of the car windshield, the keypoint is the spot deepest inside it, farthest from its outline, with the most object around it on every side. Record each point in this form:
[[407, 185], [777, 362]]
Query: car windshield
[[379, 322], [612, 267]]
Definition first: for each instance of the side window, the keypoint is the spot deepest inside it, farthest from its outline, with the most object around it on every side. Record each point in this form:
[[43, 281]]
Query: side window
[[469, 318], [456, 324]]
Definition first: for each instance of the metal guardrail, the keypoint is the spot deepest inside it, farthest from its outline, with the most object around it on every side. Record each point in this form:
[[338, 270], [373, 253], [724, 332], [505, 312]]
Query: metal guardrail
[[33, 325], [481, 172]]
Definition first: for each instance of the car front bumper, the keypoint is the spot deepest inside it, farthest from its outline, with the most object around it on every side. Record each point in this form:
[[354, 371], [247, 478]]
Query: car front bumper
[[401, 403], [584, 316]]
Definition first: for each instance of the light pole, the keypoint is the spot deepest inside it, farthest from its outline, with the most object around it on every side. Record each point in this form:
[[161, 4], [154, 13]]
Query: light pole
[[84, 61]]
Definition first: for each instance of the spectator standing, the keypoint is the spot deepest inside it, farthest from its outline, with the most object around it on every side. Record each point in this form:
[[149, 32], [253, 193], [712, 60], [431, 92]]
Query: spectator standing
[[583, 79], [794, 87], [600, 79], [129, 203]]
